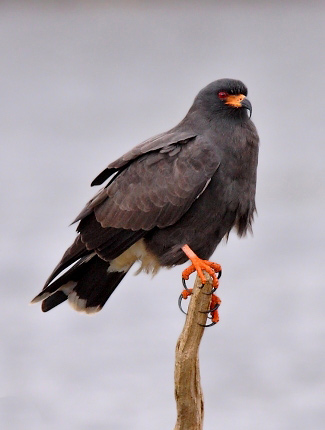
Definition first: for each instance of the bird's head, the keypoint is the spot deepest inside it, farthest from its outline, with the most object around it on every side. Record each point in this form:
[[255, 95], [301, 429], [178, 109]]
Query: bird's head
[[227, 96]]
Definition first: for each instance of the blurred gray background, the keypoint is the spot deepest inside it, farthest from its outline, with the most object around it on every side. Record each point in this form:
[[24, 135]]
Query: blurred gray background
[[81, 83]]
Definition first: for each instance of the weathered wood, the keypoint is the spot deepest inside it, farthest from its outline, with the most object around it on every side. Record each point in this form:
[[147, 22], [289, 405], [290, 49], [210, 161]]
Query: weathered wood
[[188, 391]]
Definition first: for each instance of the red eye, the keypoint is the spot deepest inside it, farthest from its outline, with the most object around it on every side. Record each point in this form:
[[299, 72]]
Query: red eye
[[222, 95]]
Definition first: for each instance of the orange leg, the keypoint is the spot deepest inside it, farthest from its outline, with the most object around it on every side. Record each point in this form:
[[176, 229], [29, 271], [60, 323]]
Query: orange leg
[[213, 269], [198, 265]]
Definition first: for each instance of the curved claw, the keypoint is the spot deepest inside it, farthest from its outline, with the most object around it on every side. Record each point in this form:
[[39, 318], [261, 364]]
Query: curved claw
[[215, 308], [219, 274], [207, 325], [184, 284], [211, 310], [180, 304]]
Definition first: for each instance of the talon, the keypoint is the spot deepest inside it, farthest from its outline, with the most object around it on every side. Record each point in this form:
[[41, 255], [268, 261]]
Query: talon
[[215, 301], [214, 317], [213, 310], [208, 325], [184, 284], [183, 296], [214, 270], [214, 305], [180, 304]]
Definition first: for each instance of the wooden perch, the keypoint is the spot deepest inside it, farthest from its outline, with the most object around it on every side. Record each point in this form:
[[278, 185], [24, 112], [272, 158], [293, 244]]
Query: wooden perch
[[188, 391]]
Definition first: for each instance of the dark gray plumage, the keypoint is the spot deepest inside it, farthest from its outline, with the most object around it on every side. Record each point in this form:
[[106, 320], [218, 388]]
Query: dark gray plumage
[[190, 185]]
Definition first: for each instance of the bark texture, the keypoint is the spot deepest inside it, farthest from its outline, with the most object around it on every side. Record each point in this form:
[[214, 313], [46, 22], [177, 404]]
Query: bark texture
[[188, 391]]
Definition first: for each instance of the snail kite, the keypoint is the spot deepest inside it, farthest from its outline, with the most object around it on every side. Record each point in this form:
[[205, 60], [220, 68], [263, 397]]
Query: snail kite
[[170, 199]]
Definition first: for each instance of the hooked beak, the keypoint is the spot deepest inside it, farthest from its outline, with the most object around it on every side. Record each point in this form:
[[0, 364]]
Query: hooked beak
[[238, 101], [247, 105]]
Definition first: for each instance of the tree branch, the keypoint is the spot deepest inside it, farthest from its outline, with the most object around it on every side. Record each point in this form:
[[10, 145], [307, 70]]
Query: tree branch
[[188, 391]]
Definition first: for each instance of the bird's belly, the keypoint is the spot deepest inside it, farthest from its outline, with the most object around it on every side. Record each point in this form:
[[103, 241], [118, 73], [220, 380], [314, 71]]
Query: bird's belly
[[137, 252], [206, 223]]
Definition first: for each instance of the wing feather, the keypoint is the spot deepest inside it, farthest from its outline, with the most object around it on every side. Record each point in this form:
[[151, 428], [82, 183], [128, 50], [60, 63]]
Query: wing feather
[[158, 188], [161, 141]]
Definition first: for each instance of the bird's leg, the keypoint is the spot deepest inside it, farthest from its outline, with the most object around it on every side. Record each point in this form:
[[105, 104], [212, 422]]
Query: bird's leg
[[198, 265], [213, 269]]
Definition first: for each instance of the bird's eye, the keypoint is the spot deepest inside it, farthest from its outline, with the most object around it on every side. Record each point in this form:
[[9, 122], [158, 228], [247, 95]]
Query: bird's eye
[[222, 95]]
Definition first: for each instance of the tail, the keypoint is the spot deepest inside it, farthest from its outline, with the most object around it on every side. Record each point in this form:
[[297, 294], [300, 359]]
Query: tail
[[87, 286], [87, 273]]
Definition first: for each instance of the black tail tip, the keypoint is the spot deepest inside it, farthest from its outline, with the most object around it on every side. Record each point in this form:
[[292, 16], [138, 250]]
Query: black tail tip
[[54, 300]]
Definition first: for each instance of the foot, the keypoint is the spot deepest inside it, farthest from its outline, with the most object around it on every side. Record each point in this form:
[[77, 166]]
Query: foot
[[199, 265], [214, 305], [213, 308]]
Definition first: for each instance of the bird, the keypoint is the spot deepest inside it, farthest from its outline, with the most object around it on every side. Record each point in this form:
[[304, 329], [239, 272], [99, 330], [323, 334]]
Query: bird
[[170, 199]]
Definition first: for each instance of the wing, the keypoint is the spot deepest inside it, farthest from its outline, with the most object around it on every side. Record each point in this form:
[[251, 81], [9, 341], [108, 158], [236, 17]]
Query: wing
[[174, 136], [153, 190], [157, 188]]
